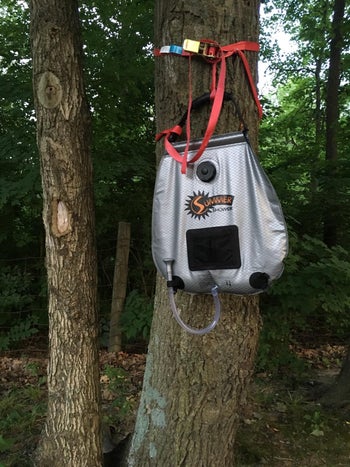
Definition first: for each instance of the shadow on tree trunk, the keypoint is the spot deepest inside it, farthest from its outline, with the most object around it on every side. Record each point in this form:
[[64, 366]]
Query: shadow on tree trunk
[[337, 396]]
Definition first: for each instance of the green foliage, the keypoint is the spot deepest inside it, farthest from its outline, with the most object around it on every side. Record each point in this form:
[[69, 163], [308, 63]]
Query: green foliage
[[119, 71], [137, 316], [15, 290], [20, 202], [293, 136], [21, 232], [315, 284], [17, 320], [119, 77], [285, 427], [5, 444], [274, 353], [33, 369], [119, 83], [24, 329], [119, 386], [308, 24], [317, 423], [292, 150], [314, 289], [22, 412]]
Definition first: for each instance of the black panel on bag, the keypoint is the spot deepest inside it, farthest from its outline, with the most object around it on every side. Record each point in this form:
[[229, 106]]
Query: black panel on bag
[[213, 248]]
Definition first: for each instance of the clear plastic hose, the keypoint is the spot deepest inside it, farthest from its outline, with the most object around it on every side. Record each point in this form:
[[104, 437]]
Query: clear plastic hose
[[186, 327]]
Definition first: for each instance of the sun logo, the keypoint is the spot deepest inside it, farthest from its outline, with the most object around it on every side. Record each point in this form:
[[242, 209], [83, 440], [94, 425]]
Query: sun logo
[[200, 205], [196, 205]]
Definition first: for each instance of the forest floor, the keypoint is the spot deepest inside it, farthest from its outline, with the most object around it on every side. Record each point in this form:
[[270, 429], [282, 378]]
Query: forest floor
[[281, 425]]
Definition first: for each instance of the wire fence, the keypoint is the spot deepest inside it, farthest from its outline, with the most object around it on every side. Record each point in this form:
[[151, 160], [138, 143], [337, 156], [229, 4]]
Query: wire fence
[[24, 297], [23, 287]]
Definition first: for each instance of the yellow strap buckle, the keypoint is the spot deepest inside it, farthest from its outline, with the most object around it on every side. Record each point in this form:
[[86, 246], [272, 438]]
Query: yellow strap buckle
[[207, 49]]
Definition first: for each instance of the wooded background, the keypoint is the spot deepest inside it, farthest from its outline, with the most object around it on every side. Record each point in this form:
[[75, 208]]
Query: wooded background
[[303, 146], [313, 186]]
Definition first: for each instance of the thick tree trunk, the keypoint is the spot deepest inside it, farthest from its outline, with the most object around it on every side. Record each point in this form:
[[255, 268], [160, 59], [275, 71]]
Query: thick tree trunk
[[72, 431], [195, 386]]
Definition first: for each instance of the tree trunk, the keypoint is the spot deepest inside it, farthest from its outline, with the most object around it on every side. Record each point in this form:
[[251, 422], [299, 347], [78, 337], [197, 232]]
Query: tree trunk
[[331, 217], [338, 395], [72, 431], [119, 286], [195, 386]]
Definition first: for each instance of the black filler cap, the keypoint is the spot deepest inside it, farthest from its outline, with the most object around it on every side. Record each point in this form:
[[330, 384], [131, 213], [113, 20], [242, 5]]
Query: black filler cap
[[206, 171], [259, 280]]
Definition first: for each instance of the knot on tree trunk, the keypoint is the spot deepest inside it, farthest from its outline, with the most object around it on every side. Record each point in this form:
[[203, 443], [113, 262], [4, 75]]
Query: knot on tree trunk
[[49, 90]]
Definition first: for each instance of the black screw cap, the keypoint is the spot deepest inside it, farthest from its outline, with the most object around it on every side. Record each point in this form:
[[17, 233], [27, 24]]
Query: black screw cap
[[259, 280], [206, 171]]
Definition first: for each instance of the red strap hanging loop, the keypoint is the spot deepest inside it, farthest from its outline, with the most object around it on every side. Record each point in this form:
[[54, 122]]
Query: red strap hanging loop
[[215, 55]]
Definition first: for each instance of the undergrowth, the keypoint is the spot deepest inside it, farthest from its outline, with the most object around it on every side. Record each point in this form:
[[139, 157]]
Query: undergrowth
[[22, 412], [281, 425], [284, 428]]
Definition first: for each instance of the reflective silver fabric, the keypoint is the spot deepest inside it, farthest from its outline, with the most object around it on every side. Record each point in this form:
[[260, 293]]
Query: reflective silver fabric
[[239, 196]]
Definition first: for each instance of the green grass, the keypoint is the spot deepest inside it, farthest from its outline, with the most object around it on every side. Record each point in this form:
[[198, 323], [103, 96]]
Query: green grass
[[284, 428], [281, 426], [22, 412]]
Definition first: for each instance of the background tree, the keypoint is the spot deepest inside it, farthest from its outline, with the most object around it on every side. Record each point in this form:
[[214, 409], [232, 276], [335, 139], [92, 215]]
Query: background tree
[[303, 77], [332, 216], [313, 290], [338, 394], [119, 85], [119, 76], [194, 386], [72, 428]]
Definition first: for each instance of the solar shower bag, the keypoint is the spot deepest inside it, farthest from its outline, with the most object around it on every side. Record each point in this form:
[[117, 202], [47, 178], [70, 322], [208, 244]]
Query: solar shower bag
[[221, 223]]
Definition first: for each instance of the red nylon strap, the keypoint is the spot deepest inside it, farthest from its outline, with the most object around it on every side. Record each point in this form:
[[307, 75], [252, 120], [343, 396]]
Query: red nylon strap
[[214, 116], [217, 94], [177, 129], [188, 119], [238, 48]]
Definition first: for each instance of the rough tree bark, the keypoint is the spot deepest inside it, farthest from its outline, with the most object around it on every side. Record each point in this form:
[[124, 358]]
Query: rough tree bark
[[195, 386], [72, 430]]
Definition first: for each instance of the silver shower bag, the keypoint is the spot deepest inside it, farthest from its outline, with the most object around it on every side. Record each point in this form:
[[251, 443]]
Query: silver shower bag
[[221, 223]]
